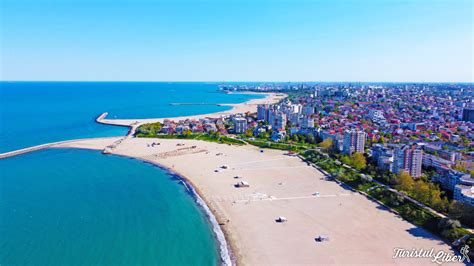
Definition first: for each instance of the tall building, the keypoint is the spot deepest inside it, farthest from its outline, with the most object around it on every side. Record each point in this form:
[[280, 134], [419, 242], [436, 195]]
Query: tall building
[[408, 158], [240, 125], [294, 118], [262, 112], [468, 114], [307, 122], [280, 121], [354, 141], [383, 156], [308, 109], [272, 112]]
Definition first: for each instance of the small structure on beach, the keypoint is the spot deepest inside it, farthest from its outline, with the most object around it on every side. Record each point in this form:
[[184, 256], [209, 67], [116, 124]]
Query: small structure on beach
[[242, 184], [281, 219], [237, 177], [321, 238]]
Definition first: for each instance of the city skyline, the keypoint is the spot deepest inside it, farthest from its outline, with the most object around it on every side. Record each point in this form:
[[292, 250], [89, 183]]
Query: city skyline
[[318, 41]]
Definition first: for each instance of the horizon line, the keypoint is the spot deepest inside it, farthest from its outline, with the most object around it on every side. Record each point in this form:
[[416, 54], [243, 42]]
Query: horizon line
[[231, 81]]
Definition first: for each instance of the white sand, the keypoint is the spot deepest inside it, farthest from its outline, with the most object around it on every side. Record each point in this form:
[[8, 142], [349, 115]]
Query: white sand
[[360, 231]]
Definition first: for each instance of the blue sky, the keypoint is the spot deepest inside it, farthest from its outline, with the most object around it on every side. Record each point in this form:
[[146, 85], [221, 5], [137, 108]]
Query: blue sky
[[237, 40]]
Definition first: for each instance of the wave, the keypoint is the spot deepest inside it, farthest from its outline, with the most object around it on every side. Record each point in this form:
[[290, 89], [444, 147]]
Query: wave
[[224, 249]]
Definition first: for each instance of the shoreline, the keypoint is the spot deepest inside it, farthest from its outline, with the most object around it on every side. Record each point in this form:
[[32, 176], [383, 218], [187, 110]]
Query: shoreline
[[225, 243], [280, 185], [248, 106], [133, 124], [226, 256], [226, 246]]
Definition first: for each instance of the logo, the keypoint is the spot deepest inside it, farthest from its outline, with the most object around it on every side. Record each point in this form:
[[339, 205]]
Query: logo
[[438, 257]]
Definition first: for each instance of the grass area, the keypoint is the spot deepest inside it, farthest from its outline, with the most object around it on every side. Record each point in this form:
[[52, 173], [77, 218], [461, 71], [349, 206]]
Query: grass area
[[197, 136], [220, 139], [279, 145]]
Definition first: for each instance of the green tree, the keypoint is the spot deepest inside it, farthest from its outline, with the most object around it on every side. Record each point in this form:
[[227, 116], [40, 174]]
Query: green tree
[[326, 144], [358, 161], [382, 139], [295, 137], [405, 182], [186, 132], [149, 129], [436, 201], [421, 191], [448, 227], [462, 212], [249, 132], [346, 160], [310, 138]]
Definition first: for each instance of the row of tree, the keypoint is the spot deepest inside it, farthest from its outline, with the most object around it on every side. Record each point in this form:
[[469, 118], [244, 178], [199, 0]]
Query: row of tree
[[150, 129], [431, 195]]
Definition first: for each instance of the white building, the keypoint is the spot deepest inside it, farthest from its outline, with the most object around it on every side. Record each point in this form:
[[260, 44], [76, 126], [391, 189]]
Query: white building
[[376, 114], [262, 112], [279, 121], [408, 158], [354, 141], [307, 122], [450, 178], [294, 118], [240, 125], [464, 194]]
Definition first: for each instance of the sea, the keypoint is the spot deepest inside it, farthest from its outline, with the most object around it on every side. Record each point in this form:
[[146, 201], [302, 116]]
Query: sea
[[79, 207]]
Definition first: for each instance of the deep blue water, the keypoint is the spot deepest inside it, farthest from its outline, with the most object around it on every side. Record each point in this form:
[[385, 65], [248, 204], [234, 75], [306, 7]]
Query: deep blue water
[[77, 207], [33, 113]]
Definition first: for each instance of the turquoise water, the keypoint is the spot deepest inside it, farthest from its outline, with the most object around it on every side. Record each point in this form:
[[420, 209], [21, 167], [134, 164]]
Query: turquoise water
[[33, 113], [78, 207]]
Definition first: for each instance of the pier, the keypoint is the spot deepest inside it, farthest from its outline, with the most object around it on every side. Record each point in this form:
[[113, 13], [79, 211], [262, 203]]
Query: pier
[[31, 149], [177, 104], [100, 119]]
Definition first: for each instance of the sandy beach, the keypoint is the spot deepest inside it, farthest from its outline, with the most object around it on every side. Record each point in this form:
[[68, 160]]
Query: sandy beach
[[359, 230], [249, 106]]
